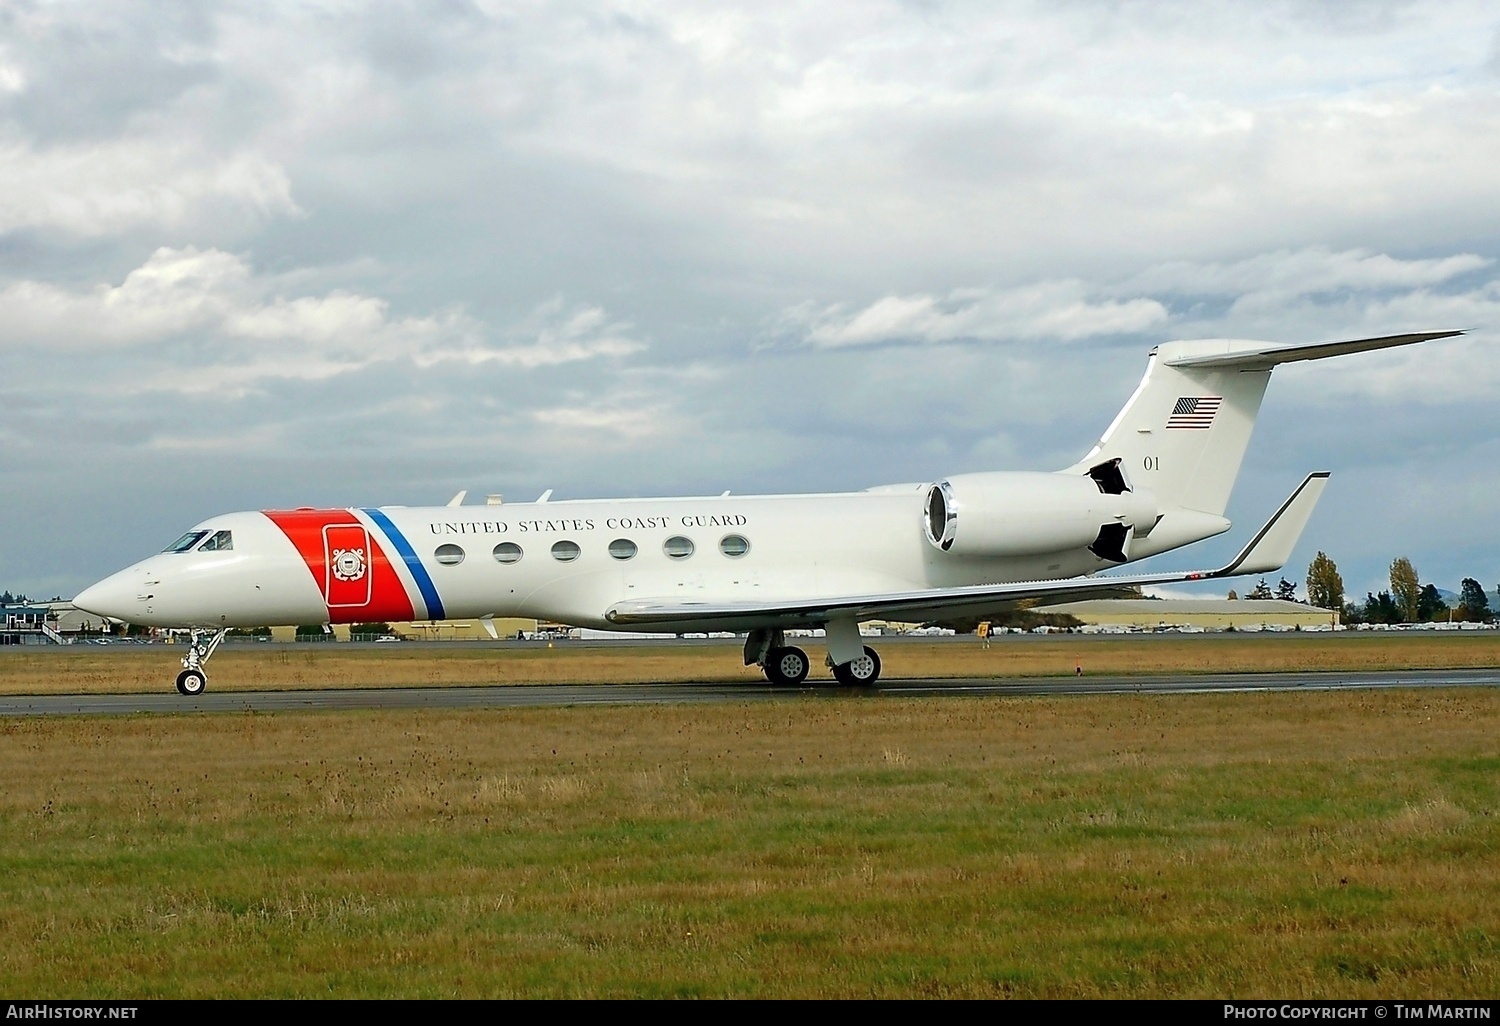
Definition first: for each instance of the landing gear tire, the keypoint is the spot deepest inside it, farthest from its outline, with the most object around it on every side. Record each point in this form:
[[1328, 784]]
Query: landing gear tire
[[787, 666], [191, 682], [862, 672]]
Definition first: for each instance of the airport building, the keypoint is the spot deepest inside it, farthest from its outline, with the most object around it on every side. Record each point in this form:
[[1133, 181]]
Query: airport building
[[1201, 614], [44, 623], [428, 630]]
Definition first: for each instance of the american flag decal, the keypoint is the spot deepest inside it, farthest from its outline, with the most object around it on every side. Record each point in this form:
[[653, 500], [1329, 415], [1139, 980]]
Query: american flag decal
[[1195, 412]]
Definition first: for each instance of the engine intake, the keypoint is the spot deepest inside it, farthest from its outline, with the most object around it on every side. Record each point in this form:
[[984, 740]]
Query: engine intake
[[1029, 514]]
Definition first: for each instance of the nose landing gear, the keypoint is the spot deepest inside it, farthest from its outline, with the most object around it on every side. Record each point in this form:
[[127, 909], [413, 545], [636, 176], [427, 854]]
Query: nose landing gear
[[192, 680]]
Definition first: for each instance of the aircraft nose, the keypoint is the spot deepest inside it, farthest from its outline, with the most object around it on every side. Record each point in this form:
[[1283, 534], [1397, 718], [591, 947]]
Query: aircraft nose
[[114, 597]]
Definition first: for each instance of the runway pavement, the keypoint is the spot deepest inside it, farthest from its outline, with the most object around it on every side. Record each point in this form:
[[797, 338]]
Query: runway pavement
[[556, 695]]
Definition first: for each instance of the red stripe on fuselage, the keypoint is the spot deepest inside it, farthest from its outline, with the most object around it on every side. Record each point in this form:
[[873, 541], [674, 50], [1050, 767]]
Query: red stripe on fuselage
[[387, 597]]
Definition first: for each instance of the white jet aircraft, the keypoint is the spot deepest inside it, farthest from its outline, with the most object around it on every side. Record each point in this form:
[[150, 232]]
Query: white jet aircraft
[[965, 545]]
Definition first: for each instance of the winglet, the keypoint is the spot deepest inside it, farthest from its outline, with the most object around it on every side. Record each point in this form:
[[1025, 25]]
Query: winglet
[[1272, 545]]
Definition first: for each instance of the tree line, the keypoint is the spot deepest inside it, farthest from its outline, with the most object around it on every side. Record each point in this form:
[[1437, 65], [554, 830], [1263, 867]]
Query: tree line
[[1407, 601]]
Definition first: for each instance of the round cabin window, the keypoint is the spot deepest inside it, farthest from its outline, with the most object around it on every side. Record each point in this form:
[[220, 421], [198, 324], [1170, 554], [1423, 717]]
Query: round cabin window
[[622, 548], [508, 552], [449, 555], [565, 551], [678, 547], [734, 545]]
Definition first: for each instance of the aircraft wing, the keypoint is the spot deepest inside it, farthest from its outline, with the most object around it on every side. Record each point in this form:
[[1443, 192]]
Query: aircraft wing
[[1266, 553]]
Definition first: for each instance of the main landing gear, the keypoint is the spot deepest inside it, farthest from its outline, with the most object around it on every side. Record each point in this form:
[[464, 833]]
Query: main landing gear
[[788, 666], [861, 672], [784, 665], [192, 680]]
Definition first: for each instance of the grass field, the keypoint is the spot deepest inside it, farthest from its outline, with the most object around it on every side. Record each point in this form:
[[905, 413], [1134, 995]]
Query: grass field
[[1328, 844], [92, 669], [1318, 844]]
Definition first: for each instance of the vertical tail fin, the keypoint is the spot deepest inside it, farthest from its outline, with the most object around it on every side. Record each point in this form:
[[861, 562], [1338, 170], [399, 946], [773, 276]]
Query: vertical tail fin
[[1184, 432]]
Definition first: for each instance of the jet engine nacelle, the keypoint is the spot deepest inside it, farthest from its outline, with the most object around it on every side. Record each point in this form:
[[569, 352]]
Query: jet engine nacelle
[[1025, 514]]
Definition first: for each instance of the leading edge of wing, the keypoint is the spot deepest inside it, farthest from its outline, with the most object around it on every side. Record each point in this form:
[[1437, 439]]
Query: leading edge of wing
[[1267, 551], [1256, 356]]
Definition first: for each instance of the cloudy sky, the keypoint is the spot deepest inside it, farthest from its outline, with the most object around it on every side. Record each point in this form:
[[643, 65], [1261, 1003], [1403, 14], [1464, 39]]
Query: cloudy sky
[[266, 255]]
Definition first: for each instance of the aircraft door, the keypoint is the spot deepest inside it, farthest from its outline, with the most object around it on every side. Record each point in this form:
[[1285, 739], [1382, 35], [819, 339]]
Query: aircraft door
[[346, 553]]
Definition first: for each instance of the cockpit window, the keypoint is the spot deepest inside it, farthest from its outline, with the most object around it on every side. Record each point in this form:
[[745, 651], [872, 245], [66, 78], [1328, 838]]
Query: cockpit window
[[222, 541], [186, 542]]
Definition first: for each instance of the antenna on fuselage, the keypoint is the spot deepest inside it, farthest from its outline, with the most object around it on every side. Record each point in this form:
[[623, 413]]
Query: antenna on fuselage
[[458, 500]]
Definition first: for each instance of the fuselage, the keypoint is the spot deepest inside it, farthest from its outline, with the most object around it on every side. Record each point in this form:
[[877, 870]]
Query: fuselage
[[567, 561]]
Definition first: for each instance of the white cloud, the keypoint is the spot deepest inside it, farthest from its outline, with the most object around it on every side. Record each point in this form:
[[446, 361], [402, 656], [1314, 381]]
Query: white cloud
[[1303, 295], [103, 188], [412, 180], [234, 329], [1317, 294], [1055, 310], [620, 420], [840, 139], [211, 295], [1270, 280], [1287, 292], [550, 335]]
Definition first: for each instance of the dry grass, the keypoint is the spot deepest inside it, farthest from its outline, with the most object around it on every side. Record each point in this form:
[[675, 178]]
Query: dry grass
[[1289, 845], [91, 669]]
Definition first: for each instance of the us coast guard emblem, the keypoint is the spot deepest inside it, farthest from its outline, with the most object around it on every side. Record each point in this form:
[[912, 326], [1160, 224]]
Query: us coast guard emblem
[[349, 564]]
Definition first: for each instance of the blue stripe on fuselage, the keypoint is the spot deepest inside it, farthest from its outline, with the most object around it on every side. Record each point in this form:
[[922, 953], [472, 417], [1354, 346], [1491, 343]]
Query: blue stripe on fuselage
[[409, 555]]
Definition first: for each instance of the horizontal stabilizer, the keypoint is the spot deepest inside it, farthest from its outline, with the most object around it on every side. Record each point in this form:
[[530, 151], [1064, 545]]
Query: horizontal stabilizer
[[1259, 356]]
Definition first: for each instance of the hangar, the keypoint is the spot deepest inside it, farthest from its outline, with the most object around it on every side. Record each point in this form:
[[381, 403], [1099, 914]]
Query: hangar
[[1204, 614]]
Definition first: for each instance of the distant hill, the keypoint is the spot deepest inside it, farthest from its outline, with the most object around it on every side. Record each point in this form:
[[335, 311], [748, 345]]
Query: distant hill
[[1451, 597]]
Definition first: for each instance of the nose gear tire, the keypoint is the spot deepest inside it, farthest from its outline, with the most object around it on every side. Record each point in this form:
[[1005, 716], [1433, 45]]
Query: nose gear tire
[[191, 682]]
